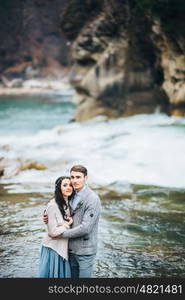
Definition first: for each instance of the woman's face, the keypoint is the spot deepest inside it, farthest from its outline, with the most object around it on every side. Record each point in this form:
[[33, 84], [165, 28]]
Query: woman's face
[[66, 187]]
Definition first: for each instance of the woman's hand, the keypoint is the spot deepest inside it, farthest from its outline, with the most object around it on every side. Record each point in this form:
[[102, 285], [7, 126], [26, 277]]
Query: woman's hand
[[45, 218], [70, 220]]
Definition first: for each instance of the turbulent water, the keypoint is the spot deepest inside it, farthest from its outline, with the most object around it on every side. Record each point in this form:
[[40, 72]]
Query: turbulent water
[[136, 164]]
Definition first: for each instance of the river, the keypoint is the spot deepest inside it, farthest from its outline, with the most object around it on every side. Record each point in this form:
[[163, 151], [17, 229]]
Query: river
[[136, 164]]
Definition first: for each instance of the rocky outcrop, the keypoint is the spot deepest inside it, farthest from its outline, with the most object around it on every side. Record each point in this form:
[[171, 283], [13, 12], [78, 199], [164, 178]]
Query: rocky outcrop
[[12, 167], [125, 56], [172, 60], [124, 62]]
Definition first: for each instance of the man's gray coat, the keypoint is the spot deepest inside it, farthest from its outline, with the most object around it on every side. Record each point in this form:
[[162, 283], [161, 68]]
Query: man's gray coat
[[84, 232]]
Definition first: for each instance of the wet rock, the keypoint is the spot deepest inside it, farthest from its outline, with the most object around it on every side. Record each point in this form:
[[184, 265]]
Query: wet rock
[[12, 167], [1, 172], [119, 71]]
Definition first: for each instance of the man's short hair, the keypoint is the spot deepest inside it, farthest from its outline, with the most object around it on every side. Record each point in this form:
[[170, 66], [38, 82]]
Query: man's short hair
[[79, 168]]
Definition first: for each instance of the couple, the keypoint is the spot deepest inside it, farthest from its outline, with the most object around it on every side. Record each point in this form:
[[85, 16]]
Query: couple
[[72, 216]]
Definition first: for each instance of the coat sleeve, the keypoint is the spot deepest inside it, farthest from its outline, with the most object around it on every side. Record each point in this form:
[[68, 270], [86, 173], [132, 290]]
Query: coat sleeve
[[55, 227], [91, 214]]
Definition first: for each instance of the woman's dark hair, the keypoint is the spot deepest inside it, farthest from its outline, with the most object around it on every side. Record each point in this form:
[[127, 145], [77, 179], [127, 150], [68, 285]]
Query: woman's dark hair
[[59, 197]]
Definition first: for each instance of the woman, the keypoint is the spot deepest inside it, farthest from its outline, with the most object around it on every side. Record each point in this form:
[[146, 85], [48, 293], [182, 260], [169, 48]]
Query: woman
[[54, 252]]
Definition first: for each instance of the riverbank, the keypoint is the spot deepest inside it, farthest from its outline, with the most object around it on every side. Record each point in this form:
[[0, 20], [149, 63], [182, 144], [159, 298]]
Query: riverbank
[[36, 87]]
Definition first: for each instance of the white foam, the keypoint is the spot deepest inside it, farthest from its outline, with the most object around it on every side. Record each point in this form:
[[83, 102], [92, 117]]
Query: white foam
[[144, 149]]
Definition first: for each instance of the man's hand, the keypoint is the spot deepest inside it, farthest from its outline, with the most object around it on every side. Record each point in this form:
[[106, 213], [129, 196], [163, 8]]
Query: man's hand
[[45, 218]]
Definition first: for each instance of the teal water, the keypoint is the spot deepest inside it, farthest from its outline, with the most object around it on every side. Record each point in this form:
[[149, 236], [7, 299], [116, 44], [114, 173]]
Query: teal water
[[141, 233], [28, 115]]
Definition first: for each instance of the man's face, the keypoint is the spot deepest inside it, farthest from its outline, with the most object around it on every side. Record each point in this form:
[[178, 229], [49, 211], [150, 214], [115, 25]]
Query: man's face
[[78, 180]]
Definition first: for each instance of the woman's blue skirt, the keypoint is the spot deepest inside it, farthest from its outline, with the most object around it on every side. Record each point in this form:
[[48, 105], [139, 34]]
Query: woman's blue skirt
[[52, 265]]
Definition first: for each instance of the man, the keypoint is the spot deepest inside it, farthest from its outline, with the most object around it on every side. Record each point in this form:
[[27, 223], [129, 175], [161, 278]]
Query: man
[[85, 209]]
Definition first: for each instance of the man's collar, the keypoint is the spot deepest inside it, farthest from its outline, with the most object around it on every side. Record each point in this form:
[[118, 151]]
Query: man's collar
[[82, 190]]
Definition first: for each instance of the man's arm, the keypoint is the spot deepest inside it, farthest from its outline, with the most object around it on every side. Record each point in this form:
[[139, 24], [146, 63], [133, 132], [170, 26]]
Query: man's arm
[[54, 229], [90, 216]]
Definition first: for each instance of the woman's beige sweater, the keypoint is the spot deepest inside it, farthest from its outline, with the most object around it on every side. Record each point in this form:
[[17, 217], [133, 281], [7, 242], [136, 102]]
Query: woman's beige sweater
[[56, 226]]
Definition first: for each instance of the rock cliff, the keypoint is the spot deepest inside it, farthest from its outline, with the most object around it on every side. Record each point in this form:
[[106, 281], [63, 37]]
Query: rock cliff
[[125, 56], [125, 60]]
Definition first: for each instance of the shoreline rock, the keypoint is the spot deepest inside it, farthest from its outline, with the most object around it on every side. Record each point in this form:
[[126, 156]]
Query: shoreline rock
[[38, 87], [12, 167]]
